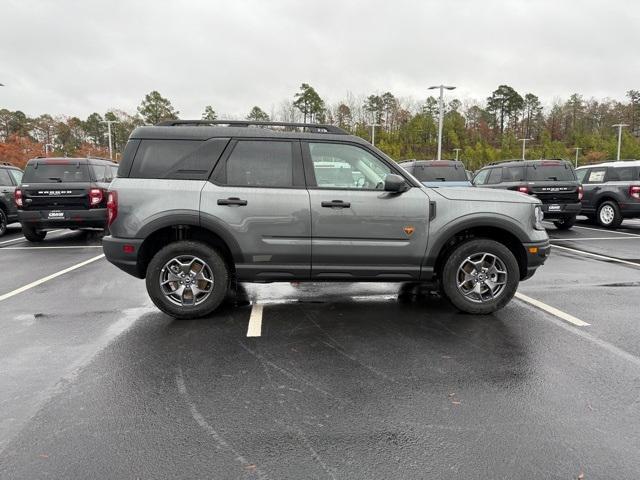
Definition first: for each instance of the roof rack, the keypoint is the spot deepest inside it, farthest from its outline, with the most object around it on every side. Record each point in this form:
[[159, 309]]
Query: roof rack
[[7, 164], [312, 127]]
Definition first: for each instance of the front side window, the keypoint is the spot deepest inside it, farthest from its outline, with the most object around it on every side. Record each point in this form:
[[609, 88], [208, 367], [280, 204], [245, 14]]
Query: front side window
[[257, 163], [481, 177], [347, 167], [580, 174], [495, 176]]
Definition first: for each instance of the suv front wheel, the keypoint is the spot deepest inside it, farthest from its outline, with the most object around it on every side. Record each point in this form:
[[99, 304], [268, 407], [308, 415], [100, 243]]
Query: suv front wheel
[[187, 279], [480, 276]]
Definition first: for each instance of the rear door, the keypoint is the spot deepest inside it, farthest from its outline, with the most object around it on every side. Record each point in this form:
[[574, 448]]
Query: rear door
[[258, 196], [56, 186], [359, 231], [592, 185], [6, 191]]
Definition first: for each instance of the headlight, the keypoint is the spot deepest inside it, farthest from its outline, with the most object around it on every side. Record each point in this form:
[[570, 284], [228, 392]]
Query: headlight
[[538, 216]]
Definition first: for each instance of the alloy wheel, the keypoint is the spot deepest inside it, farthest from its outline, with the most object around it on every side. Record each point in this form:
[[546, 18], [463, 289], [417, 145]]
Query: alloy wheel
[[481, 277], [186, 280]]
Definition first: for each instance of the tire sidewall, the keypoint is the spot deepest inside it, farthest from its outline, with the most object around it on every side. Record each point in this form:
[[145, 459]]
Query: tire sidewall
[[219, 270], [33, 235], [471, 247], [3, 222], [566, 223], [617, 218]]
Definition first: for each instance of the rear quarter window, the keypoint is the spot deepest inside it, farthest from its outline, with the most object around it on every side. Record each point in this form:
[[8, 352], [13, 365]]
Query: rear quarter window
[[177, 159]]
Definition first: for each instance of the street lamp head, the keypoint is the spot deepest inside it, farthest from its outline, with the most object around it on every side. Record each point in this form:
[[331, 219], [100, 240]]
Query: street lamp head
[[446, 87]]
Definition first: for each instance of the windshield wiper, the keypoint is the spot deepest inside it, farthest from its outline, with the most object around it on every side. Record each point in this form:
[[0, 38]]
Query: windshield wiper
[[57, 179]]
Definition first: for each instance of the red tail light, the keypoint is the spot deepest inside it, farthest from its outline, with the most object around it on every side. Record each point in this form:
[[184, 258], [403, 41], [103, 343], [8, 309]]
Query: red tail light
[[634, 191], [523, 189], [17, 196], [96, 195], [112, 207], [580, 192]]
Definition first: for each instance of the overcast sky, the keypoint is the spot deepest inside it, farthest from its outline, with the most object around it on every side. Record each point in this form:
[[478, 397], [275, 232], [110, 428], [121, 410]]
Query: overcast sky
[[77, 57]]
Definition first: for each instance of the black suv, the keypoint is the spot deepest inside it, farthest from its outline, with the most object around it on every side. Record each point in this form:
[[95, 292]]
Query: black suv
[[437, 173], [10, 177], [611, 191], [63, 193], [554, 182]]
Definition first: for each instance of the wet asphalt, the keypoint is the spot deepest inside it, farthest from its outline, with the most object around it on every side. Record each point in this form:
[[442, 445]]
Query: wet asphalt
[[346, 380]]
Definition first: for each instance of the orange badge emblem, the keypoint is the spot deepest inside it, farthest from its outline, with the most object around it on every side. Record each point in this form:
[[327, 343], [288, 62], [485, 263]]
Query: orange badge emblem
[[409, 230]]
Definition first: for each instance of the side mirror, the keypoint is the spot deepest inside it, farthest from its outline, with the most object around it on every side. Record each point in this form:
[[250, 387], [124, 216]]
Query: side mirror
[[395, 183]]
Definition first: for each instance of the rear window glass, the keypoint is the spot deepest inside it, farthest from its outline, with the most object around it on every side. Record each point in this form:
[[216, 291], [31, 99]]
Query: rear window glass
[[176, 159], [39, 172], [439, 173], [554, 172]]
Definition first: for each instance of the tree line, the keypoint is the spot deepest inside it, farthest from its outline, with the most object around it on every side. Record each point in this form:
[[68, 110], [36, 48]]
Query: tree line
[[480, 131]]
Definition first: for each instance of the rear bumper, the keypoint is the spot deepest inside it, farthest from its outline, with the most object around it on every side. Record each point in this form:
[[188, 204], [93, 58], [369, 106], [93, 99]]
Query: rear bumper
[[561, 210], [114, 252], [537, 253], [39, 219]]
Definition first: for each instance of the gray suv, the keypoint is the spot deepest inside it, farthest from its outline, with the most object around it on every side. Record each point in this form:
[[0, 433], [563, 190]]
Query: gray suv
[[10, 177], [199, 205], [611, 192]]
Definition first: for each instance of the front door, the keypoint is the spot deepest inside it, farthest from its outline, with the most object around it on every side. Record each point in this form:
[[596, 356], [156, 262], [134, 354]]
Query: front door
[[257, 196], [358, 230]]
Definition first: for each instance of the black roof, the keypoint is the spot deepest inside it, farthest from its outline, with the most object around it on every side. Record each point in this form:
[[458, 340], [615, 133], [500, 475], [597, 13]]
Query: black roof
[[82, 160], [204, 130], [511, 163]]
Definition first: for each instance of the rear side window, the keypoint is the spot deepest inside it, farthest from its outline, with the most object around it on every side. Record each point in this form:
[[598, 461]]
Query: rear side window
[[580, 174], [624, 174], [4, 177], [58, 172], [495, 176], [428, 173], [255, 163], [17, 176], [550, 172], [177, 159]]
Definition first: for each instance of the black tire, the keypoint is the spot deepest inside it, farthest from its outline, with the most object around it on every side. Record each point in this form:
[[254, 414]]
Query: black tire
[[565, 223], [218, 270], [32, 234], [467, 250], [609, 215], [3, 222]]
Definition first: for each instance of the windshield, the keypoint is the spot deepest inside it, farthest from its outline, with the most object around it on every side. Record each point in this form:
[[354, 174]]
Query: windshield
[[426, 173], [554, 172], [55, 173]]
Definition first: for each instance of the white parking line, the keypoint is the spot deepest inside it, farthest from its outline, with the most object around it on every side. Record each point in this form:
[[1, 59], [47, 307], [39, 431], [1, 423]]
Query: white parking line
[[46, 248], [255, 321], [48, 277], [552, 310], [591, 239], [608, 231], [595, 255], [22, 238]]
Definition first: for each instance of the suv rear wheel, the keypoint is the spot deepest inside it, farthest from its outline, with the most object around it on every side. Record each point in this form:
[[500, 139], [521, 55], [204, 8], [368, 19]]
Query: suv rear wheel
[[32, 234], [565, 223], [3, 222], [187, 279], [609, 214], [480, 276]]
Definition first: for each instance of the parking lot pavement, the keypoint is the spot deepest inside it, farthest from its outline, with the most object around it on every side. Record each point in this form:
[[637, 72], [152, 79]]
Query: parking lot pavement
[[340, 381]]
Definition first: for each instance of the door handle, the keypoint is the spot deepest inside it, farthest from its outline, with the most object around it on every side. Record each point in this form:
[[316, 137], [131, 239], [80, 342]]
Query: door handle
[[232, 201], [336, 204]]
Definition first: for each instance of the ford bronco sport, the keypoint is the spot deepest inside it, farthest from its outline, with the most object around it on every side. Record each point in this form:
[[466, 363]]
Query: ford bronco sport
[[63, 193], [199, 204]]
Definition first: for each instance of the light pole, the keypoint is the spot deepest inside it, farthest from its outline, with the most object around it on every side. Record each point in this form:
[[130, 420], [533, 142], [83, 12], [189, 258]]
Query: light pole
[[441, 88], [457, 150], [109, 122], [619, 125], [524, 143], [373, 133], [46, 148], [577, 149]]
